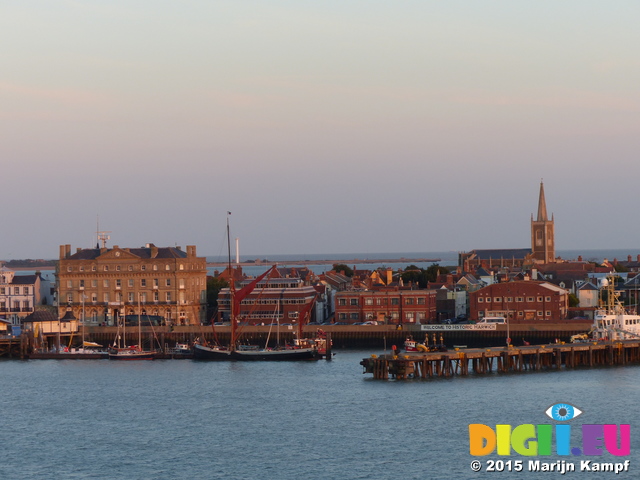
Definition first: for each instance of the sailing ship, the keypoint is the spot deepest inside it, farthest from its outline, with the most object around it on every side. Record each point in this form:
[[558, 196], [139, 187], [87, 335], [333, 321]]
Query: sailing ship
[[612, 321], [300, 349], [134, 352]]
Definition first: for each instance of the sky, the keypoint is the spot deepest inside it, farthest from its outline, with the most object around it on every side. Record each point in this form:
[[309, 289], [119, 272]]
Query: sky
[[323, 126]]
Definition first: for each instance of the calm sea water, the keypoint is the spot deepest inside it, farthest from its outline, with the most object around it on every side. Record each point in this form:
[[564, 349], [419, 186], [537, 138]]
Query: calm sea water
[[321, 420]]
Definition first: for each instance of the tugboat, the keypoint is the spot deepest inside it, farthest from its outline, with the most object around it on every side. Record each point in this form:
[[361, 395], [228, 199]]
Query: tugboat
[[612, 321]]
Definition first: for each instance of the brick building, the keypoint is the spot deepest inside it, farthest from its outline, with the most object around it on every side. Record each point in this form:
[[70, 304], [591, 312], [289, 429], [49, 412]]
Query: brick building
[[386, 305], [274, 300], [520, 301], [112, 282]]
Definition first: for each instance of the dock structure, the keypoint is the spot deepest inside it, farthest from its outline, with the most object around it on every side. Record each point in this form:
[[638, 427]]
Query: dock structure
[[466, 361]]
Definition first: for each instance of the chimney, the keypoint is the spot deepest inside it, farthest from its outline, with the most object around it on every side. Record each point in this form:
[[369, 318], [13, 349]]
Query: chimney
[[389, 276], [154, 251], [62, 252], [628, 258], [67, 251], [191, 250]]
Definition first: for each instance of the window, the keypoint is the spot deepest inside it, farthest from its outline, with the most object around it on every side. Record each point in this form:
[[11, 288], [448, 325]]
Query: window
[[143, 267], [181, 267], [480, 300], [166, 267], [519, 299], [354, 316], [131, 297], [130, 283], [488, 299], [521, 314], [368, 301], [408, 316], [143, 297], [70, 298], [540, 299], [81, 283], [421, 301], [156, 296], [168, 296], [130, 268], [69, 284], [68, 268], [353, 302], [168, 282], [395, 301], [94, 297], [530, 299], [409, 301], [510, 299], [342, 316], [155, 267], [81, 268], [342, 301], [143, 282], [93, 268], [539, 313], [105, 283], [548, 313], [105, 268], [498, 299], [118, 283], [156, 282], [117, 268], [105, 297], [547, 299]]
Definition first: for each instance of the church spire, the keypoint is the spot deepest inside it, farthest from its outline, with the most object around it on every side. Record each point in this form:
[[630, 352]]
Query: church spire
[[542, 205]]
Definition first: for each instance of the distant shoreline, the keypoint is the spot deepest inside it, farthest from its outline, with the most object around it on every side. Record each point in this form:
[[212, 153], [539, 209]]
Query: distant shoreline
[[354, 261]]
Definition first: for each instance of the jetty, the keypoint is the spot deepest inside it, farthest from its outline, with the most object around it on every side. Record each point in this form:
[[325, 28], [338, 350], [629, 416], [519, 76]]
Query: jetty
[[481, 361]]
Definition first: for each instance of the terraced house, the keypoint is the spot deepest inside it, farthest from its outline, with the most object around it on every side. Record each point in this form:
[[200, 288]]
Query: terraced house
[[108, 283]]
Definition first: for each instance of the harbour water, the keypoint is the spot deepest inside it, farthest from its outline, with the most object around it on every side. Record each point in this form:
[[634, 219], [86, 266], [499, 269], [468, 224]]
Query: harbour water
[[322, 420]]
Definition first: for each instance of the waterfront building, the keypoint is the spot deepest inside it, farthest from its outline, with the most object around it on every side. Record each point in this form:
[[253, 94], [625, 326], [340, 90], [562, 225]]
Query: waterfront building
[[109, 283], [20, 295], [388, 305], [520, 301]]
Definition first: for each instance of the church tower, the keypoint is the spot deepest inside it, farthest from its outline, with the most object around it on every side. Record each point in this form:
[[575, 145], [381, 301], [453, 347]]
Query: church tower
[[543, 245]]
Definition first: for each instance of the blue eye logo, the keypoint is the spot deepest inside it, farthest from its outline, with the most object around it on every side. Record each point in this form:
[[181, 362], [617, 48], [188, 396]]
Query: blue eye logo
[[563, 412]]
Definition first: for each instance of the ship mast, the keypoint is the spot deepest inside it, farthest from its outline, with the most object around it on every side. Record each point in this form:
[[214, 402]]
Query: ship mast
[[232, 291]]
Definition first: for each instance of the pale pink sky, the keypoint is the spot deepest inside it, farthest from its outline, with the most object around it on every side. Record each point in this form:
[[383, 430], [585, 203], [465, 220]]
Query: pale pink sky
[[365, 126]]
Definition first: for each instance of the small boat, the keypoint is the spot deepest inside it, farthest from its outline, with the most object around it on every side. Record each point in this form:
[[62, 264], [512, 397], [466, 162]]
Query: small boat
[[134, 352], [130, 353]]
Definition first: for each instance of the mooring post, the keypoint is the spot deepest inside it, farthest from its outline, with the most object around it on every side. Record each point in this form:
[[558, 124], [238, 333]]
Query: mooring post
[[328, 346]]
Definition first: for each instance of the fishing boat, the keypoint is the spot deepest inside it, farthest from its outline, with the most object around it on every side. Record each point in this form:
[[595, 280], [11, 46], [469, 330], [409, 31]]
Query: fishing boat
[[612, 321], [300, 349]]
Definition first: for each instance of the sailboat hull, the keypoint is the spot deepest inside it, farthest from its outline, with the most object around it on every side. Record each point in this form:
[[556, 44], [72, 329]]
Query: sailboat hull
[[202, 352], [128, 354]]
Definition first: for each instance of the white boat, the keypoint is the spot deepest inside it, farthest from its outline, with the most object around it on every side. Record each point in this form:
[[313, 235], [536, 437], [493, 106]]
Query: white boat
[[612, 321]]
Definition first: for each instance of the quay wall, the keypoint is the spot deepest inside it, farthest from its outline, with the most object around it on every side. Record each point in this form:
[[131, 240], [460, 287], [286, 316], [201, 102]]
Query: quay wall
[[350, 336]]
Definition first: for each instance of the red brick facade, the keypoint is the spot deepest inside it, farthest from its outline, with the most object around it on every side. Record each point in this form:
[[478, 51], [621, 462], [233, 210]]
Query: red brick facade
[[524, 301], [391, 306]]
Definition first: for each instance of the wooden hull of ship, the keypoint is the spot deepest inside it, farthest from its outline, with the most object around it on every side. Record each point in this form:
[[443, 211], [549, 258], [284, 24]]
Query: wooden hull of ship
[[207, 353]]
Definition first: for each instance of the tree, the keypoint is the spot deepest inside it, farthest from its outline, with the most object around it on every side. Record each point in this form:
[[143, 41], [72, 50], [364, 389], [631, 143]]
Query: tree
[[342, 268], [214, 285], [573, 300]]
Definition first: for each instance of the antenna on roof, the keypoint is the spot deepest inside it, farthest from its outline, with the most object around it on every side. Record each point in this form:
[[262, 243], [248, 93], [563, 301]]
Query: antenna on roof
[[102, 234]]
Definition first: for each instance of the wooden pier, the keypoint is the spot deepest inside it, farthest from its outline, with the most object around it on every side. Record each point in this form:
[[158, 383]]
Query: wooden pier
[[502, 360]]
